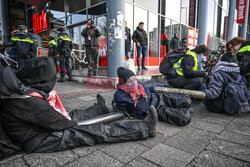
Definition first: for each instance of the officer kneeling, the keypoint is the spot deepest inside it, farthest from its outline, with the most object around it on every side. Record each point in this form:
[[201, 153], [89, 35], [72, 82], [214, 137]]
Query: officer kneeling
[[187, 72]]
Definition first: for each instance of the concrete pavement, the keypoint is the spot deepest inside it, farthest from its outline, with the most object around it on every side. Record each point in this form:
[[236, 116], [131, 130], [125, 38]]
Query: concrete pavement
[[209, 140]]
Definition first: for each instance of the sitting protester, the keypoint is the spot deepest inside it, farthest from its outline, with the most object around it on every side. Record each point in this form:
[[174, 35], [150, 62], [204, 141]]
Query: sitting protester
[[132, 97], [242, 49], [227, 91], [186, 73], [38, 122]]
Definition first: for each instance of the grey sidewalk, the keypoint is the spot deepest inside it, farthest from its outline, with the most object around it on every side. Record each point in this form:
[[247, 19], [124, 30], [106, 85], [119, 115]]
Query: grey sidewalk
[[209, 140]]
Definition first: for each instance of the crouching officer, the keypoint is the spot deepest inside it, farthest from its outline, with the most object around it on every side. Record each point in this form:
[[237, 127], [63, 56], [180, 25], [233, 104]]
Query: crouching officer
[[187, 71], [53, 50], [22, 45], [64, 46]]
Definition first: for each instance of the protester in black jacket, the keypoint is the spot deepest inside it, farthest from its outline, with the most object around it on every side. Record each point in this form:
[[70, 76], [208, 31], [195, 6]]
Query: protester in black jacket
[[242, 48], [127, 41], [22, 45], [187, 72], [91, 34], [141, 40], [34, 124], [175, 42]]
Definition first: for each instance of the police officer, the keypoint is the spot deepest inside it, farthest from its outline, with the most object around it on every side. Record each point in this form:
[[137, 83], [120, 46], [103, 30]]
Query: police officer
[[22, 45], [187, 72], [64, 46], [91, 34], [53, 50]]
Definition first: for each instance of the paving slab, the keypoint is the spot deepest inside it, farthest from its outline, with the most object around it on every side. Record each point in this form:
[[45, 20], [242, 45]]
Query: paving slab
[[191, 140], [235, 137], [152, 142], [216, 120], [242, 119], [164, 155], [82, 151], [125, 152], [239, 128], [208, 126], [17, 162], [230, 149], [211, 159], [50, 159], [140, 162], [167, 129], [96, 159], [225, 116]]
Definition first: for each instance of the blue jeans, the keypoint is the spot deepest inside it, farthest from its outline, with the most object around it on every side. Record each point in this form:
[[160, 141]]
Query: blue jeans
[[127, 54], [141, 50]]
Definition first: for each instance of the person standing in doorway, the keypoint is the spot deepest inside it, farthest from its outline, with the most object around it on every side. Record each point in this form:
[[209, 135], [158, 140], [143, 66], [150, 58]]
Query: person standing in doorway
[[91, 34], [141, 40], [64, 46], [127, 41]]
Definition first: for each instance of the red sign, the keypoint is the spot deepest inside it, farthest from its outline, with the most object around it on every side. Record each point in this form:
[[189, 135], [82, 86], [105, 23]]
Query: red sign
[[192, 13], [42, 52], [192, 37], [40, 22], [241, 13]]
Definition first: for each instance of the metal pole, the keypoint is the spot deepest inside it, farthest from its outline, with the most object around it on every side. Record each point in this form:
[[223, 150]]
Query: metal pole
[[202, 22], [110, 117], [116, 43], [218, 32], [190, 93], [4, 14], [244, 26], [230, 23]]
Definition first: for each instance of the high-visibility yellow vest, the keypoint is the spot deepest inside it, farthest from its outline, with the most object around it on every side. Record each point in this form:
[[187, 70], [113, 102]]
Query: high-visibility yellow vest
[[244, 49], [65, 38], [22, 40], [52, 42], [177, 65]]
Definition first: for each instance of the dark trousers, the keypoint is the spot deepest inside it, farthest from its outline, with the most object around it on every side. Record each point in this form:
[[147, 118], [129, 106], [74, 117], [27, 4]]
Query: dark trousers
[[92, 56], [186, 83], [127, 53], [55, 61], [21, 59], [141, 50], [119, 131], [64, 62]]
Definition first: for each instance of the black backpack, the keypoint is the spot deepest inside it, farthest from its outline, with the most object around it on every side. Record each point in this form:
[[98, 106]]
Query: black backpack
[[170, 59]]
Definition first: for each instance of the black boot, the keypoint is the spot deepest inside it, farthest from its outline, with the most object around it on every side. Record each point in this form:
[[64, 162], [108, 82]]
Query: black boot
[[70, 78], [151, 119], [61, 80]]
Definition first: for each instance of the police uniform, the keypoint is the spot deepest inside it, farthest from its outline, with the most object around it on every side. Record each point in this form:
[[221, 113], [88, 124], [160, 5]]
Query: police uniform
[[53, 50], [64, 48]]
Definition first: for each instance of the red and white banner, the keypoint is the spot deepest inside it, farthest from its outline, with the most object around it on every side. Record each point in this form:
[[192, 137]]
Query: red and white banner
[[192, 37], [42, 52], [241, 13]]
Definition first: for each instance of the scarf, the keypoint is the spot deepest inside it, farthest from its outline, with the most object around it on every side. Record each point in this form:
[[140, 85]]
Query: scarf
[[54, 101], [136, 91]]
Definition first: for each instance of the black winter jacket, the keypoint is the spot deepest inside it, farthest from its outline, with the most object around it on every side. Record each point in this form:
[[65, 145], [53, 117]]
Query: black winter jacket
[[128, 40], [52, 50], [28, 121], [175, 43], [91, 37], [22, 45], [140, 36]]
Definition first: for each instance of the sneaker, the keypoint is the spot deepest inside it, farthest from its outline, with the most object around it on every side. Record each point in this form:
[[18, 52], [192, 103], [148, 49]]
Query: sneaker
[[152, 119], [138, 68], [144, 68], [89, 75], [61, 80]]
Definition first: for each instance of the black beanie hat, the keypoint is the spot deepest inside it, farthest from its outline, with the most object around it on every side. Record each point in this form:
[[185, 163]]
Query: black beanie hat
[[124, 74], [228, 57], [39, 73]]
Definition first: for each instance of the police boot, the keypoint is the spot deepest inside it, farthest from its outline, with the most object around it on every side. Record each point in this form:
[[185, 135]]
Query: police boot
[[152, 119], [61, 80], [70, 78]]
